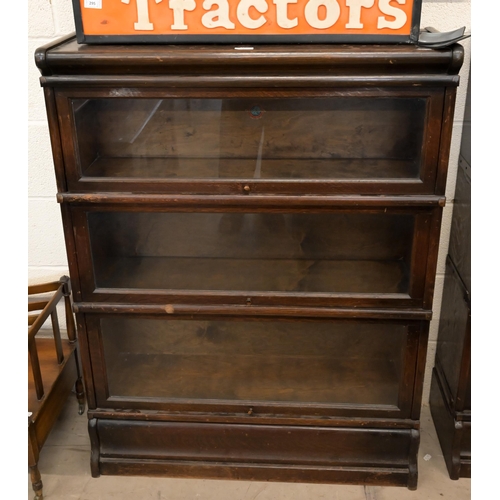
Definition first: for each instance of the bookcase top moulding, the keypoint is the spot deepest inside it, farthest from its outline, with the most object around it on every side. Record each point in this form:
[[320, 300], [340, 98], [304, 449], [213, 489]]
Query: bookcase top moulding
[[356, 64]]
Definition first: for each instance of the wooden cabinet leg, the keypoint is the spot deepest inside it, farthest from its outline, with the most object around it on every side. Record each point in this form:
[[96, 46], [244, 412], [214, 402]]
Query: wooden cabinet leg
[[36, 482], [413, 460]]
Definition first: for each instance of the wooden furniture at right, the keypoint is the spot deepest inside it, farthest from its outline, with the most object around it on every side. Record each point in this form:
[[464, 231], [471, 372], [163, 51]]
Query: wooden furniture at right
[[450, 398], [53, 368]]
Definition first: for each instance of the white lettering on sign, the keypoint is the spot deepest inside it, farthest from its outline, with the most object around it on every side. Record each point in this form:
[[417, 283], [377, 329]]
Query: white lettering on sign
[[143, 23], [179, 6], [311, 13], [244, 16], [93, 4], [319, 14], [217, 18], [282, 14], [355, 12], [398, 14]]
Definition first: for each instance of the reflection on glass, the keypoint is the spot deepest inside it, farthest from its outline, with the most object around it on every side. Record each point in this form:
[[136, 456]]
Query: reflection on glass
[[293, 252], [314, 138], [322, 361]]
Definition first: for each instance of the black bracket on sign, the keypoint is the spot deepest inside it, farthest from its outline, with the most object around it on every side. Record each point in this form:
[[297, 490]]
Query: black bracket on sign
[[434, 39]]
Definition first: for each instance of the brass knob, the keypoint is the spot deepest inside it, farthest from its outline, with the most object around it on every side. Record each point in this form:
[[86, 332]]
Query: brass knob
[[246, 189], [250, 411]]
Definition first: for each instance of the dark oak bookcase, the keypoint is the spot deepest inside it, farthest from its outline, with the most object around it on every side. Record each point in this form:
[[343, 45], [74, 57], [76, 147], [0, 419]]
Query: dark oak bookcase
[[252, 239]]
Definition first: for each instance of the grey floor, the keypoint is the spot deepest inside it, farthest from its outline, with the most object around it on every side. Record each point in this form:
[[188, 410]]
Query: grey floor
[[64, 466]]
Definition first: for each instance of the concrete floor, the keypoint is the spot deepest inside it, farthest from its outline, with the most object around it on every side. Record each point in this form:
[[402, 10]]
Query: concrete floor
[[65, 470]]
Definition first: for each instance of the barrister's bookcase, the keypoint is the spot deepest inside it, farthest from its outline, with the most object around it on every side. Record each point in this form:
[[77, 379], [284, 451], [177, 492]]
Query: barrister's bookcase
[[252, 238]]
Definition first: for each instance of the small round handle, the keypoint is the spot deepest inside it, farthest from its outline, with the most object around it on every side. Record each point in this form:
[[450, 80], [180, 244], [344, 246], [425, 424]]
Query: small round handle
[[256, 111], [246, 189]]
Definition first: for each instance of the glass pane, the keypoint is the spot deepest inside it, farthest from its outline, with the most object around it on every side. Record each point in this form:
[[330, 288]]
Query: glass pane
[[321, 361], [294, 252], [334, 138]]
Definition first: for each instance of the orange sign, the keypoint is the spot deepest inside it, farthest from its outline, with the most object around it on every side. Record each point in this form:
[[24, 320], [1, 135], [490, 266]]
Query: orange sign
[[199, 20]]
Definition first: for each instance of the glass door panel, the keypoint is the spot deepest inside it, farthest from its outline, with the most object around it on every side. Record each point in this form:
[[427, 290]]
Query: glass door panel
[[328, 362], [292, 252], [335, 138]]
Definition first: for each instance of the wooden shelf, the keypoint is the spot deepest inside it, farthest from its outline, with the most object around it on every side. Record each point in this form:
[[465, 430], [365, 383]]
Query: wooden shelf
[[248, 168], [306, 138], [320, 379], [323, 361], [287, 275]]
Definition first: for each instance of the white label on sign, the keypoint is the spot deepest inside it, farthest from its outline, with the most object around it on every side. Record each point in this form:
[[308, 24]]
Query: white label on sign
[[93, 4]]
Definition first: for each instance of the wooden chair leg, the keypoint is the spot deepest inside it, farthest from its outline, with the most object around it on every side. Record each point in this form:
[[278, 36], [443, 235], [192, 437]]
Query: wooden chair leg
[[36, 482], [80, 395]]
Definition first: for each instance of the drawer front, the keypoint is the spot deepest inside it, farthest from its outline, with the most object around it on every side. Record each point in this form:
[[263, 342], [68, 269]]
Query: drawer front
[[252, 444], [341, 257], [221, 142], [255, 452], [254, 366]]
